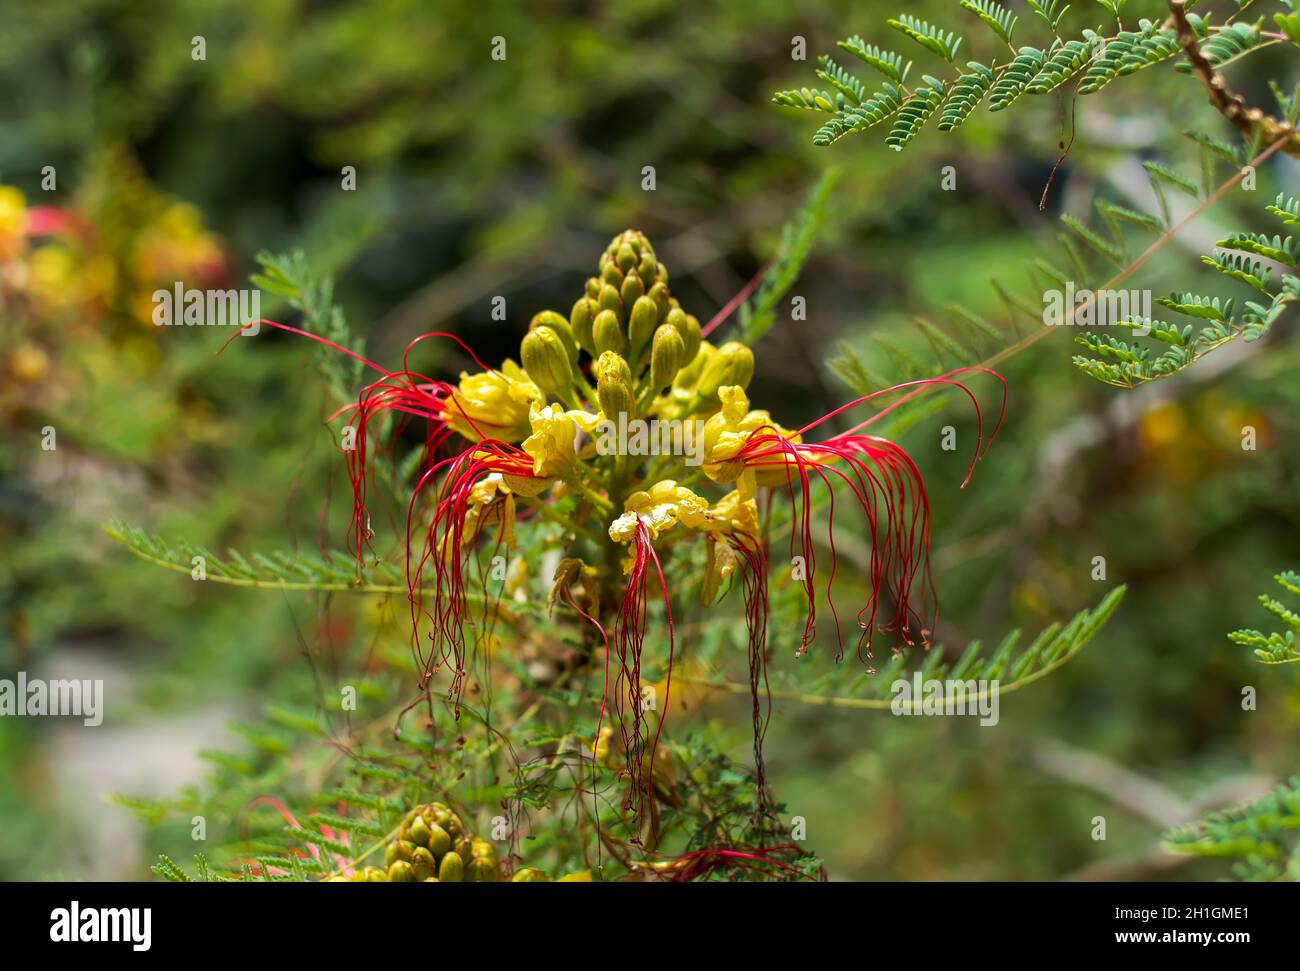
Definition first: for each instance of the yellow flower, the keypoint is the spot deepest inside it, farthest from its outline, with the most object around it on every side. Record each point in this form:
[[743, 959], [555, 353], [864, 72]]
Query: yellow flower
[[660, 508], [553, 441], [726, 433], [13, 221], [492, 404], [55, 283]]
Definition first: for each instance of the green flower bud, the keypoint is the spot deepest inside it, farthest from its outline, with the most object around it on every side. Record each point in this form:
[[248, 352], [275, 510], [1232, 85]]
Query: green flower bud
[[689, 376], [613, 385], [593, 287], [580, 318], [692, 337], [631, 289], [677, 317], [666, 356], [419, 832], [375, 875], [607, 333], [611, 275], [423, 863], [646, 269], [401, 872], [530, 875], [451, 869], [546, 360], [439, 841], [482, 870], [641, 325], [480, 848], [549, 318], [610, 300], [733, 364], [661, 297], [627, 257]]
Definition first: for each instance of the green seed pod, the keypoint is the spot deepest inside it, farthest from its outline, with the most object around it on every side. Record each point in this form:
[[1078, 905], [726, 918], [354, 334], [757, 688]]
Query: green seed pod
[[607, 333], [593, 287], [401, 872], [423, 863], [666, 356], [482, 870], [483, 849], [611, 275], [613, 385], [549, 318], [375, 875], [733, 364], [451, 869], [610, 300], [546, 360], [439, 841], [580, 318], [641, 325], [530, 875], [463, 848], [627, 257], [631, 289], [692, 337], [419, 832]]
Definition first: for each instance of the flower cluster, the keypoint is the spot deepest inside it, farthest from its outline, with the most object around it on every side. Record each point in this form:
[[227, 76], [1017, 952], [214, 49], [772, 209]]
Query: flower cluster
[[628, 354]]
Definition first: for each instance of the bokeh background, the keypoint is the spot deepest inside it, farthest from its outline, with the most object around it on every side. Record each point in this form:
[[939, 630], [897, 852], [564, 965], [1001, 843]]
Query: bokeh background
[[478, 179]]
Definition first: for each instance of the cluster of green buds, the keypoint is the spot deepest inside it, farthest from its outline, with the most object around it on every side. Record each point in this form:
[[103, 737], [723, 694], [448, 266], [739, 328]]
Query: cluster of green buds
[[433, 846], [640, 340]]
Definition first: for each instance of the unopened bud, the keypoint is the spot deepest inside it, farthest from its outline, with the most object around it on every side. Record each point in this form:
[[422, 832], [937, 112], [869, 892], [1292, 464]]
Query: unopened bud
[[692, 337], [646, 269], [530, 875], [482, 870], [580, 318], [666, 356], [631, 289], [439, 841], [641, 325], [610, 300], [659, 292], [733, 364], [451, 869], [557, 323], [613, 385], [546, 360], [607, 333]]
